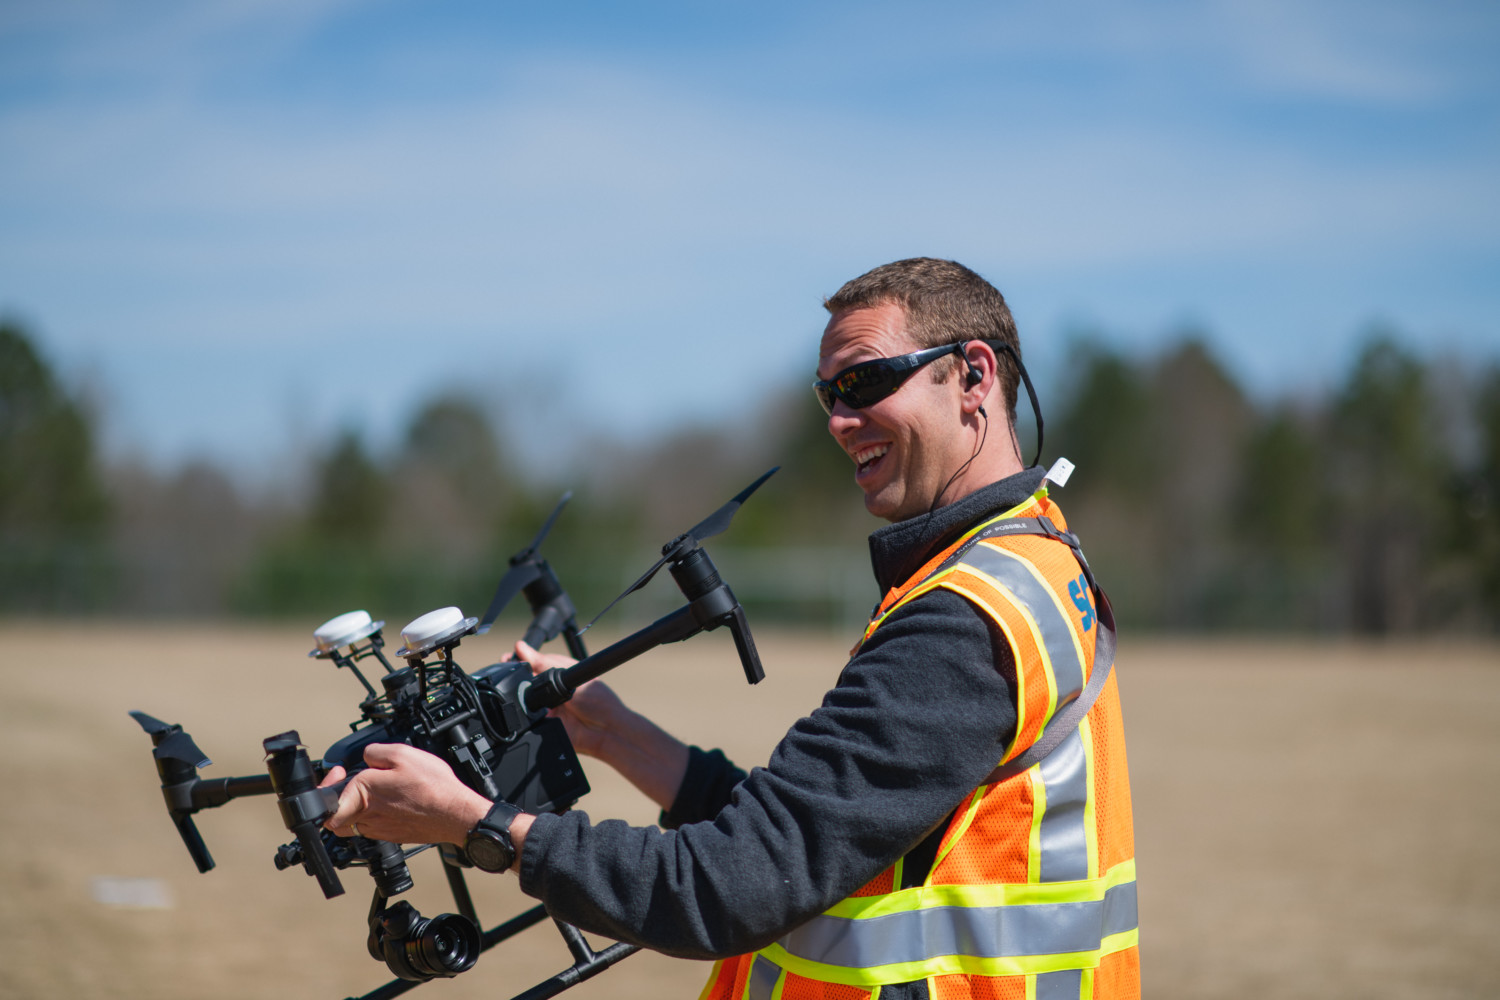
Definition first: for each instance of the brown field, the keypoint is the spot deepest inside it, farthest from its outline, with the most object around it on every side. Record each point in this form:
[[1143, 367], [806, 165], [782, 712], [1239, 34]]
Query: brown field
[[1312, 820]]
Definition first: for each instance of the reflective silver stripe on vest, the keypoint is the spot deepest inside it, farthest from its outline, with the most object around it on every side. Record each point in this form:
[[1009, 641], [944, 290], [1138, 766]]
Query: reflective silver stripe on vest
[[1064, 985], [981, 931], [1041, 602], [1064, 840], [763, 976]]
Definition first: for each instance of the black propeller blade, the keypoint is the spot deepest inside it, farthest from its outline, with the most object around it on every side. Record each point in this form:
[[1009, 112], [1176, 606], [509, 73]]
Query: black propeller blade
[[171, 743], [511, 584], [714, 524], [150, 724], [524, 570], [717, 522], [180, 746]]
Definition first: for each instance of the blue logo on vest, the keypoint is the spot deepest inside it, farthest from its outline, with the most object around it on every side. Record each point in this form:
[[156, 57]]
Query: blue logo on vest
[[1079, 590]]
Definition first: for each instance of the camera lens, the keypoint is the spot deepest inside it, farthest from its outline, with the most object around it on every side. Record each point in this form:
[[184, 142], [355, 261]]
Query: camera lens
[[448, 945], [387, 867], [418, 949]]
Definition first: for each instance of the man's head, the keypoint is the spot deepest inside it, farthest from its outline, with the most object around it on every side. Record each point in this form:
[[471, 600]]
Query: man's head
[[929, 442], [944, 303]]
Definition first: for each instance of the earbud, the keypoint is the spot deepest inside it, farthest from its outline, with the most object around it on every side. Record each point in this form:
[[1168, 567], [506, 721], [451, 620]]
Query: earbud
[[975, 376]]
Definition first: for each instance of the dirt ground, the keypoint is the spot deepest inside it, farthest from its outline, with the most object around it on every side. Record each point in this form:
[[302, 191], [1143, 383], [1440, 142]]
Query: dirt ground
[[1312, 819]]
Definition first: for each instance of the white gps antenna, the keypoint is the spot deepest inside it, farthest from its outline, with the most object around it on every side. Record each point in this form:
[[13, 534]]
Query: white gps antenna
[[338, 639], [443, 627], [343, 630]]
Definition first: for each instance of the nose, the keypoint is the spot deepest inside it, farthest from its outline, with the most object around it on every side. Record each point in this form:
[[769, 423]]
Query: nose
[[843, 419]]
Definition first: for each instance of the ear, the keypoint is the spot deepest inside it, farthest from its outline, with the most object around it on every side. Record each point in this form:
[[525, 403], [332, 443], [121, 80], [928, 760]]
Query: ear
[[980, 379]]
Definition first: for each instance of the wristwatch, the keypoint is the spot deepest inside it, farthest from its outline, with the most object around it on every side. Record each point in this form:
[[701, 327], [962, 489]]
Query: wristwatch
[[488, 846]]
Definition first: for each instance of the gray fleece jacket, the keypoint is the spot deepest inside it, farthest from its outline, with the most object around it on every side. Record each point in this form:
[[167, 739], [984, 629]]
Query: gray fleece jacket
[[917, 719]]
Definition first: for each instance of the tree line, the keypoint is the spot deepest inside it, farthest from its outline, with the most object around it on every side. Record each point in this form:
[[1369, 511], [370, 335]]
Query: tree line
[[1371, 507]]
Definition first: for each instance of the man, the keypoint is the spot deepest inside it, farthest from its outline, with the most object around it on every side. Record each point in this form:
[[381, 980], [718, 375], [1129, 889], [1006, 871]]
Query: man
[[914, 836]]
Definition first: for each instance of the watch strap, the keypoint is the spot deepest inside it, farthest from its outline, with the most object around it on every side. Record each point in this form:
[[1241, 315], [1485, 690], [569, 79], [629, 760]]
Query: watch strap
[[492, 835], [499, 818]]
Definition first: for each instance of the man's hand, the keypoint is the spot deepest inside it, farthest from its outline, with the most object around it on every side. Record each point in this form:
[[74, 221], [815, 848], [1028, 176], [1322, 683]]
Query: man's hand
[[592, 712], [602, 727], [406, 796]]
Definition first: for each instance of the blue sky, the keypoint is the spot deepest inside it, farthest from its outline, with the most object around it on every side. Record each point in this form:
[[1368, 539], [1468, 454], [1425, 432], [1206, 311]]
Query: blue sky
[[250, 223]]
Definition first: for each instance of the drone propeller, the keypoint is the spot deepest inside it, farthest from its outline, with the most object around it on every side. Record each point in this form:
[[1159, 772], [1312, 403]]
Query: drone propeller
[[524, 569], [718, 522], [714, 524], [149, 723], [177, 761], [170, 742]]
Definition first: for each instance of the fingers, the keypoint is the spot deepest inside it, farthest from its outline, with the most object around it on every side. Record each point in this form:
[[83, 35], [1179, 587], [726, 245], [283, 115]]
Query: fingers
[[353, 801], [406, 796], [387, 756], [533, 657], [540, 661]]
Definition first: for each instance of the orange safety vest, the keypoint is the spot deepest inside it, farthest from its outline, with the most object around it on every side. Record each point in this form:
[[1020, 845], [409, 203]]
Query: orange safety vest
[[1031, 895]]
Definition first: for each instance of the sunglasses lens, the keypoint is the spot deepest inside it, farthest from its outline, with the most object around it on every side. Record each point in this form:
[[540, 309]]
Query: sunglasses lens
[[867, 384], [864, 385], [861, 386]]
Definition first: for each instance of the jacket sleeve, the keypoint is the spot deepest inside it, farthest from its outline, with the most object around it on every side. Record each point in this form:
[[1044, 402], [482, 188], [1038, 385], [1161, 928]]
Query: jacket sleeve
[[918, 718], [706, 789]]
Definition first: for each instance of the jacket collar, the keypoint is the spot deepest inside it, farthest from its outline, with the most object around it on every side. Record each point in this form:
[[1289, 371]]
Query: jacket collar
[[899, 550]]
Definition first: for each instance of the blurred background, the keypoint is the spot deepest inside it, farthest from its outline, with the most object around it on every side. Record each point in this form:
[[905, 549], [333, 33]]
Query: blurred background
[[314, 305], [308, 305]]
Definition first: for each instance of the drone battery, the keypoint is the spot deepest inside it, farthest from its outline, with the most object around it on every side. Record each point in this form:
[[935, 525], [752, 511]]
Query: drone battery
[[539, 771]]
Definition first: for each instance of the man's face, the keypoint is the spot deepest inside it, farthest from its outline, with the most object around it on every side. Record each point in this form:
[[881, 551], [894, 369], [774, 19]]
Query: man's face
[[904, 446]]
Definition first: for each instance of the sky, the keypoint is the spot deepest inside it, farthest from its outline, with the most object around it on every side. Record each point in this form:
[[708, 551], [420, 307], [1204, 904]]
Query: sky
[[244, 225]]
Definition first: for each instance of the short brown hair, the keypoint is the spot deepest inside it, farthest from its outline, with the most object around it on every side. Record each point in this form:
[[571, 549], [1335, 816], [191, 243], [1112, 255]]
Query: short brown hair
[[944, 303]]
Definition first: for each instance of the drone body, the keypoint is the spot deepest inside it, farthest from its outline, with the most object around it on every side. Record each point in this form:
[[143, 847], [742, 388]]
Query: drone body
[[492, 727]]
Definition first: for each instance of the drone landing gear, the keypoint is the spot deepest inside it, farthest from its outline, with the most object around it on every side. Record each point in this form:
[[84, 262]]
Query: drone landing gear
[[454, 940]]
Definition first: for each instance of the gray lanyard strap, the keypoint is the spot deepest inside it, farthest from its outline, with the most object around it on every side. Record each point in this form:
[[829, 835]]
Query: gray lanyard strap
[[1067, 719]]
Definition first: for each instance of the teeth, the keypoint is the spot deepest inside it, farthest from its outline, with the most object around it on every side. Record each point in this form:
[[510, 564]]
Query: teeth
[[870, 454]]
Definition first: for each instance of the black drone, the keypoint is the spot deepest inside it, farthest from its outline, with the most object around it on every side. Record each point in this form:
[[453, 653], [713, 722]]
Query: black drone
[[492, 728]]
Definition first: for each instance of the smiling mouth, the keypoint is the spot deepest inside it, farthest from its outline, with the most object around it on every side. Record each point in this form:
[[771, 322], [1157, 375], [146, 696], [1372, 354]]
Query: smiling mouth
[[866, 458]]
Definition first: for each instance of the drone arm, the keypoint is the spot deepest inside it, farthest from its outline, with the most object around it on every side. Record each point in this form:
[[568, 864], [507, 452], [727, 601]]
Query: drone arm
[[715, 605], [303, 815], [193, 841], [184, 798], [587, 963], [208, 793], [550, 621], [555, 686], [739, 627], [574, 640], [710, 604], [304, 805]]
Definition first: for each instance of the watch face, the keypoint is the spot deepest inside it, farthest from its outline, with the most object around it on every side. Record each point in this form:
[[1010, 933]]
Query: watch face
[[487, 852]]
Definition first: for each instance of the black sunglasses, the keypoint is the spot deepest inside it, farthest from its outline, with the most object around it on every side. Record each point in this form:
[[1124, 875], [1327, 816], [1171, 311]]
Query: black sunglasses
[[868, 382]]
